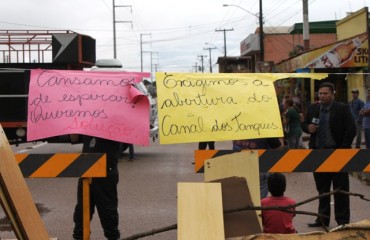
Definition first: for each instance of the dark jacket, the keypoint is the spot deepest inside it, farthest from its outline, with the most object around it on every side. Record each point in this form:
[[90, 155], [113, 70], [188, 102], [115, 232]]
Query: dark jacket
[[342, 124], [101, 145]]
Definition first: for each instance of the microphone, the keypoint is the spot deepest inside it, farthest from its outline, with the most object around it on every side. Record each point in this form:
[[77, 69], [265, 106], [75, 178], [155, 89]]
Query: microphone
[[315, 119]]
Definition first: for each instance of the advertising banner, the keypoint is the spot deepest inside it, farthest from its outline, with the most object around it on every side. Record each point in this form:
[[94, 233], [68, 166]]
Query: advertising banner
[[352, 52]]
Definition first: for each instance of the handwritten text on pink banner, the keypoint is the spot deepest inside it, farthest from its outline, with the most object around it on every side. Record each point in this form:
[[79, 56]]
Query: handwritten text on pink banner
[[101, 104]]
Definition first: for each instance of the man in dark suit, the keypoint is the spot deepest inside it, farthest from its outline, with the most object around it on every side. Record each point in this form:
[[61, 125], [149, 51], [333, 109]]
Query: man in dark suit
[[331, 126]]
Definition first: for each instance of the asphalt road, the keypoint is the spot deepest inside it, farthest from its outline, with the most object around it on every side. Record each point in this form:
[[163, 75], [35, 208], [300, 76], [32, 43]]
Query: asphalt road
[[148, 189]]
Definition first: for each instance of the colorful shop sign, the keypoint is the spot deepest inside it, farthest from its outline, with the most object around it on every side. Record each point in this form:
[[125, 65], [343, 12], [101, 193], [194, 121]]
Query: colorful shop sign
[[352, 52]]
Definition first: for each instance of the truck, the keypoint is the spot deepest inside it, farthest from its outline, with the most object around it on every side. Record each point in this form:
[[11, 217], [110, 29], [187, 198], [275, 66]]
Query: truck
[[24, 50]]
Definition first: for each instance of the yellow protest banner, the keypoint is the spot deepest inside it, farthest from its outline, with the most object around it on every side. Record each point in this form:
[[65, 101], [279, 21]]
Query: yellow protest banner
[[198, 107]]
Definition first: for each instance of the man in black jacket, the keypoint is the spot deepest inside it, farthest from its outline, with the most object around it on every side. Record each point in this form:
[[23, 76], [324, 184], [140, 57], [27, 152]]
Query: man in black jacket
[[331, 126]]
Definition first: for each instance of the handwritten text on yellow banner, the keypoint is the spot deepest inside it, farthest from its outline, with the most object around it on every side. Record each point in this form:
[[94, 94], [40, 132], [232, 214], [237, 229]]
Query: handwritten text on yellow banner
[[219, 107]]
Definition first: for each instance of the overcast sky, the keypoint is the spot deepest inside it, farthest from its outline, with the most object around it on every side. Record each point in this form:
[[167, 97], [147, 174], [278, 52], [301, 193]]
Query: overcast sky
[[178, 29]]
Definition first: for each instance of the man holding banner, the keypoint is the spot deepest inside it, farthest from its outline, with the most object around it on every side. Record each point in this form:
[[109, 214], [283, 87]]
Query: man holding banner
[[103, 191]]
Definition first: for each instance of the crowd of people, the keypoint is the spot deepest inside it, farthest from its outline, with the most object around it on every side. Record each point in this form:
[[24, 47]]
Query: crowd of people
[[329, 124]]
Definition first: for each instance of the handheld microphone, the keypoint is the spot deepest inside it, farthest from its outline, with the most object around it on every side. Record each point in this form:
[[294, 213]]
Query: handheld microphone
[[315, 121], [316, 117]]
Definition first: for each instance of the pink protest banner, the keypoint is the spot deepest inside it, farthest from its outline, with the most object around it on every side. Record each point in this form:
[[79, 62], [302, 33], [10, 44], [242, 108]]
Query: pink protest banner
[[101, 104]]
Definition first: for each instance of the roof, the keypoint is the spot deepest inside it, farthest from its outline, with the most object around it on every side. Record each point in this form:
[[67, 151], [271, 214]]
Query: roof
[[275, 30], [232, 59], [315, 27]]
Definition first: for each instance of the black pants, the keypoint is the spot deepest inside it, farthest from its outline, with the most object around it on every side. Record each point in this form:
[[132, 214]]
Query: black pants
[[103, 196], [130, 147], [203, 145], [341, 201], [131, 151]]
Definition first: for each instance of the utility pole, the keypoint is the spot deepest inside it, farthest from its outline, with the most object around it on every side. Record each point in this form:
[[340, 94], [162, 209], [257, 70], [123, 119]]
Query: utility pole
[[114, 26], [224, 30], [151, 62], [141, 49], [201, 59], [210, 57], [262, 47], [306, 27], [261, 33], [196, 67]]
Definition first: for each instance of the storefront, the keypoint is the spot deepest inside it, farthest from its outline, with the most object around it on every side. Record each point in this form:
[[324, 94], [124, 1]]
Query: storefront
[[347, 60]]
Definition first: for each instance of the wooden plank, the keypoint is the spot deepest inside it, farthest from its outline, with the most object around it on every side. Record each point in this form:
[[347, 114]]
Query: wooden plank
[[4, 201], [235, 195], [240, 164], [20, 198], [200, 214]]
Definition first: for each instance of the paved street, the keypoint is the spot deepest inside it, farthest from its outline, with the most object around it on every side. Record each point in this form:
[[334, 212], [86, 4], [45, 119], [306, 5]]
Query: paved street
[[148, 189]]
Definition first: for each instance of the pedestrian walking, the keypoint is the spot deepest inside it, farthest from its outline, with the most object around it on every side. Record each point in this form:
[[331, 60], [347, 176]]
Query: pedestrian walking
[[131, 150], [292, 126], [365, 113], [356, 104]]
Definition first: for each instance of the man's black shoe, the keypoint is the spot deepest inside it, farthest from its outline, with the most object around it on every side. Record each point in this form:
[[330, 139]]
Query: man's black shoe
[[340, 224], [316, 224]]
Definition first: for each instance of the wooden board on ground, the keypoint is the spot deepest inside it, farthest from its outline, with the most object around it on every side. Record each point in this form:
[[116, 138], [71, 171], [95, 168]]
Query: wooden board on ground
[[240, 164], [354, 231], [235, 195], [19, 202], [199, 214]]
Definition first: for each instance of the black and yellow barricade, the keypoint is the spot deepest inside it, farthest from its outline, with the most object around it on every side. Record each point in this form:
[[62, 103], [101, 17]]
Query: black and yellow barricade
[[84, 165], [219, 165], [15, 197], [299, 160], [79, 165]]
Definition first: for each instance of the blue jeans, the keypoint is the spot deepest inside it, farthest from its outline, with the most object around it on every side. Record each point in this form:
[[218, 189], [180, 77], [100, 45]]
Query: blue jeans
[[295, 142], [359, 133], [367, 137], [263, 184]]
